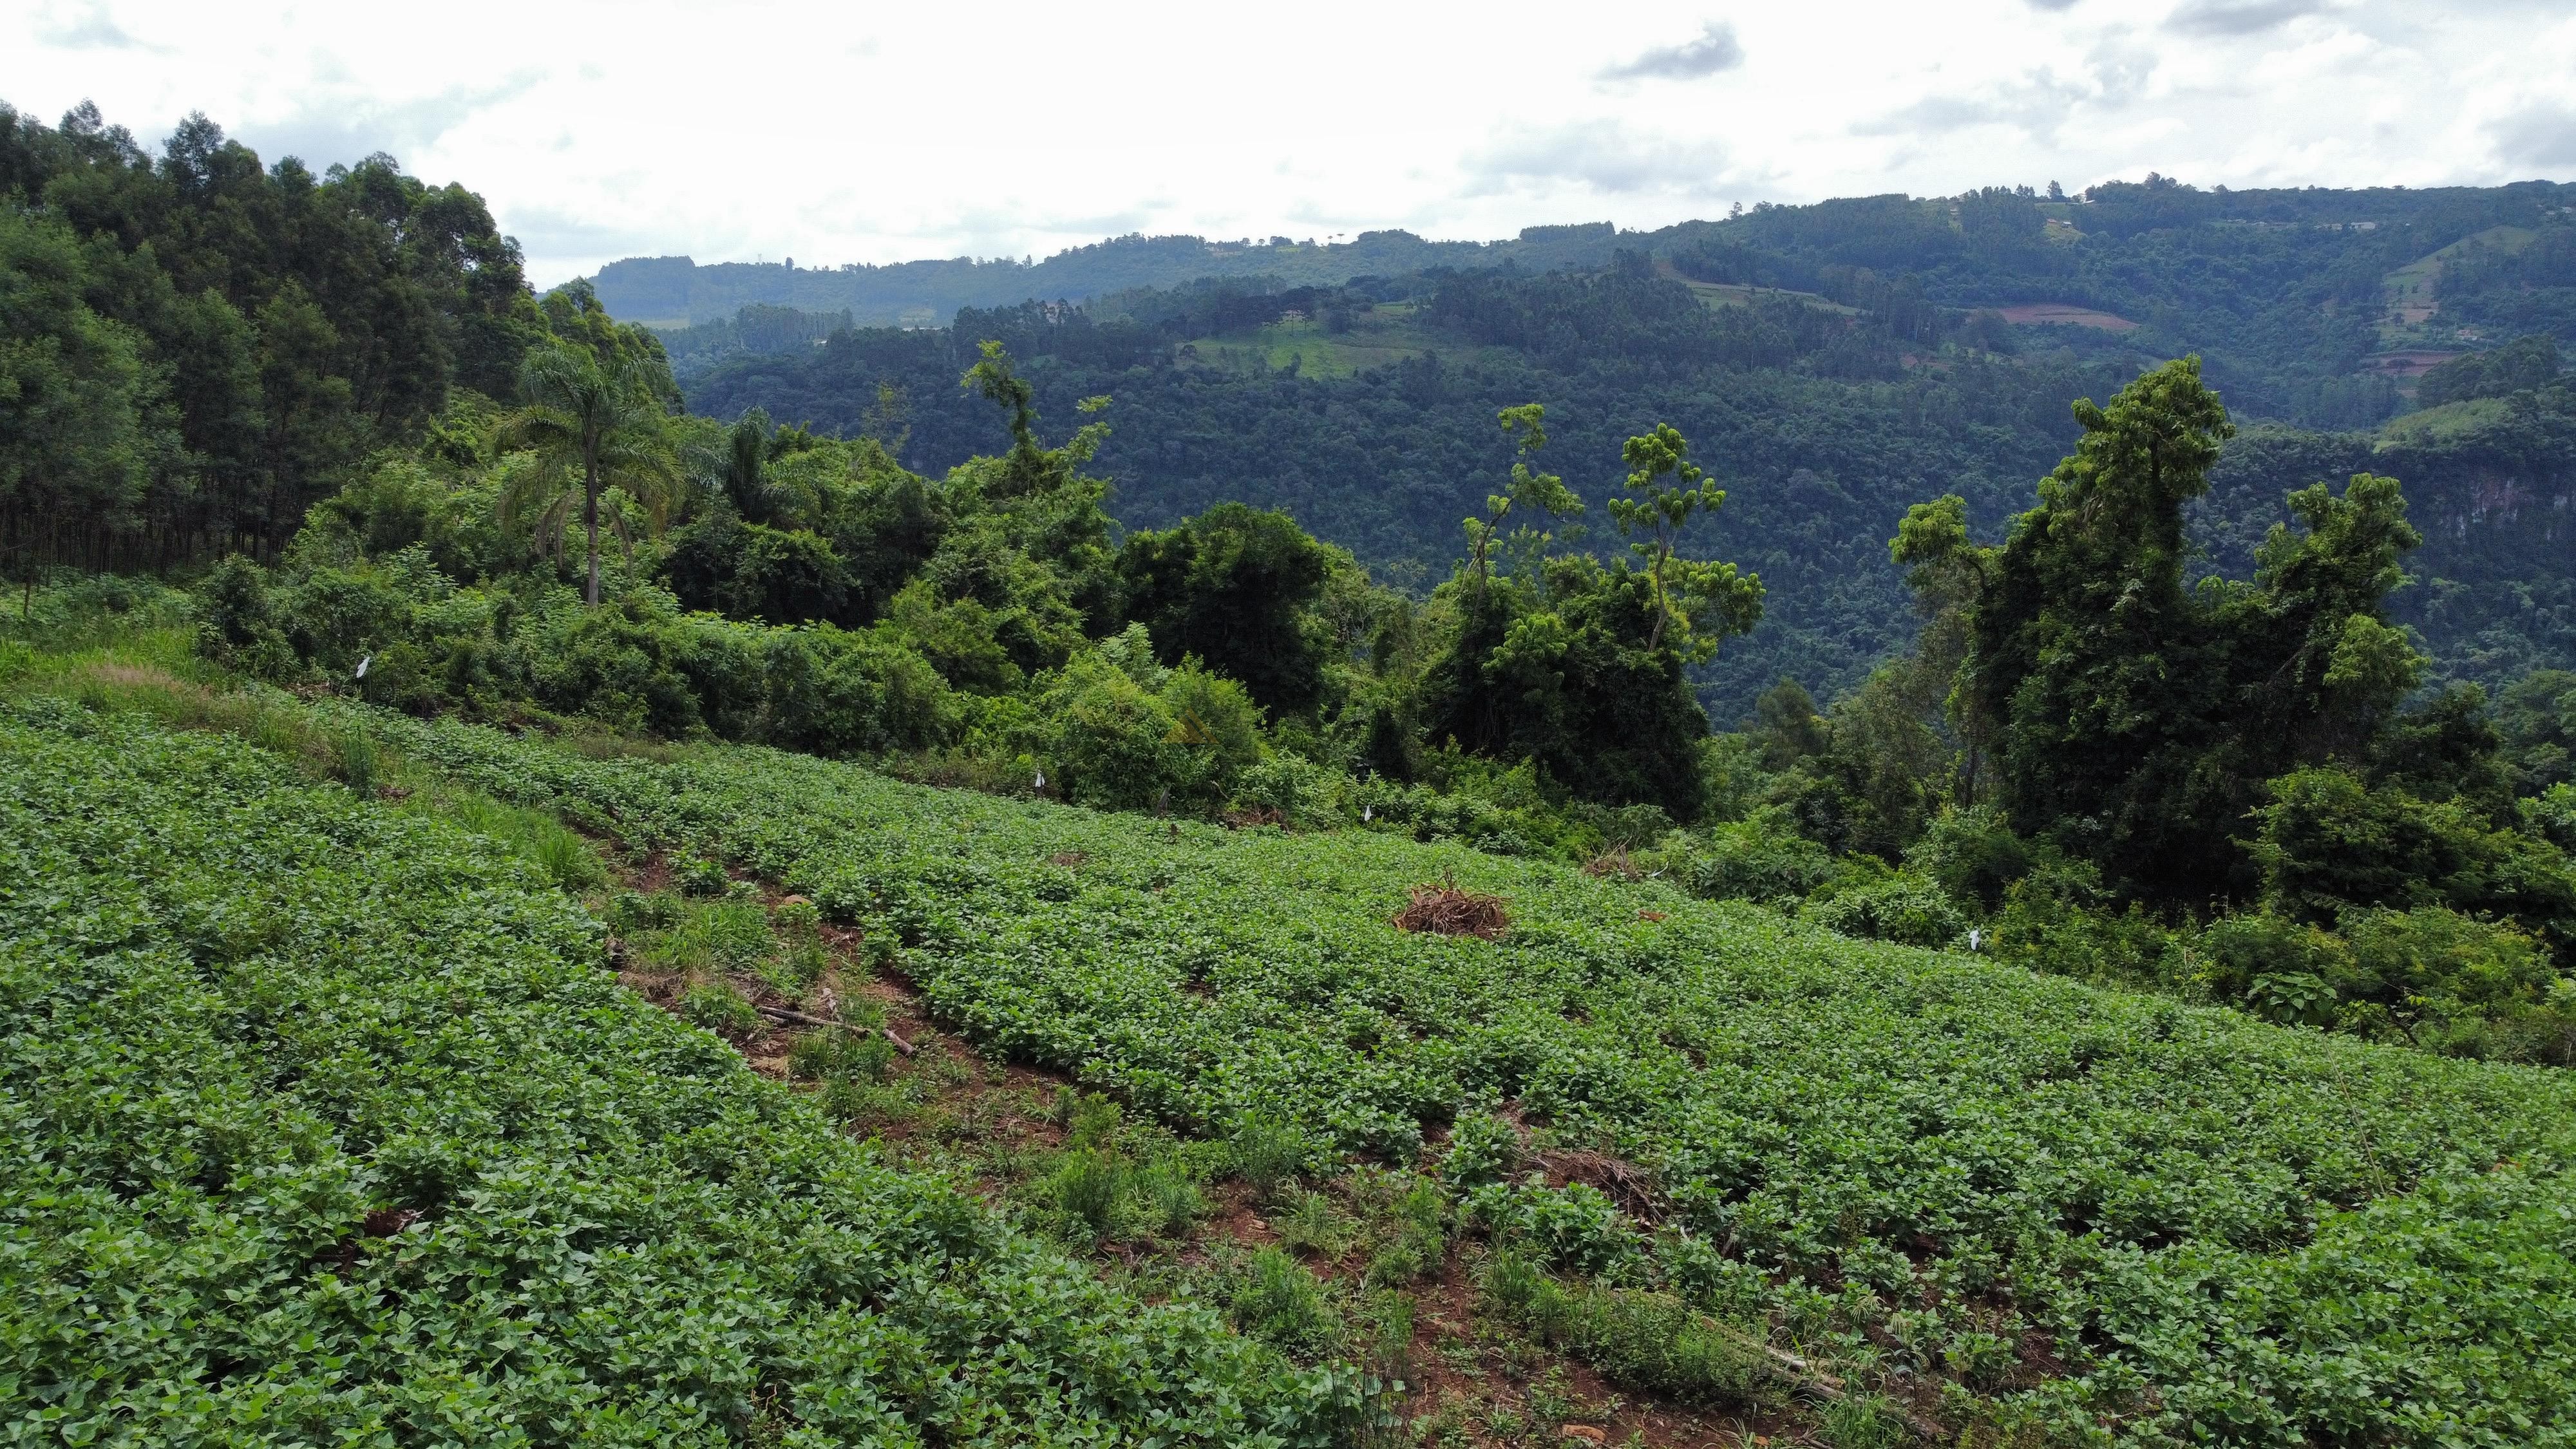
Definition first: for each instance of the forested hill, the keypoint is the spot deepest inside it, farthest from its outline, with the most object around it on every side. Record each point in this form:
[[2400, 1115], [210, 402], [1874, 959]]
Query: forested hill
[[671, 291], [1833, 363]]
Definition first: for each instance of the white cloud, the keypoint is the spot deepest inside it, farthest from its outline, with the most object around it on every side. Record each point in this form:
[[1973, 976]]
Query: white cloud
[[834, 132], [1602, 154], [1715, 50], [2239, 17], [84, 27], [2542, 135]]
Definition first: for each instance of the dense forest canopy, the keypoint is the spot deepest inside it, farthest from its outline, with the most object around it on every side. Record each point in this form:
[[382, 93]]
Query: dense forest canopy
[[1836, 362], [200, 348]]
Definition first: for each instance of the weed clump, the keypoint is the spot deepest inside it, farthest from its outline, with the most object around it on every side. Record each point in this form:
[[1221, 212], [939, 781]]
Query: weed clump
[[720, 1009]]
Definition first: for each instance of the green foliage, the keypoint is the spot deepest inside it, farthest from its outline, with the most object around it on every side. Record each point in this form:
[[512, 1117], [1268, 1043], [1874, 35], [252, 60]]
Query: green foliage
[[86, 427], [409, 1086], [1277, 1301], [2536, 724], [590, 418], [1483, 1149], [2524, 364], [1122, 732], [1650, 1339], [840, 1054], [200, 347], [1087, 1186], [1267, 1153], [1810, 1100], [1417, 1238], [2134, 721], [1764, 858], [1233, 588], [1895, 906], [720, 1009], [2328, 841], [1574, 1227]]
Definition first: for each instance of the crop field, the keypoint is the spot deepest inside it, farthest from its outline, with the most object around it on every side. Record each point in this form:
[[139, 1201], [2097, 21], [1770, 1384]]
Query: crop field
[[325, 1122], [1384, 334], [2004, 1200], [2408, 291]]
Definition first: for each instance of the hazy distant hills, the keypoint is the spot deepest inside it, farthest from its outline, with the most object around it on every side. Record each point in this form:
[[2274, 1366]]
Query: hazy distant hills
[[1894, 232], [675, 291]]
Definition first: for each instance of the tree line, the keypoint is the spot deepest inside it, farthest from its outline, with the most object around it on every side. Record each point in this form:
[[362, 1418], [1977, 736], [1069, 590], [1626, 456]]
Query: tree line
[[199, 347]]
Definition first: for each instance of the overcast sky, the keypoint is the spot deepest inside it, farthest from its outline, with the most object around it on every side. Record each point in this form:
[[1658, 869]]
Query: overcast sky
[[841, 132]]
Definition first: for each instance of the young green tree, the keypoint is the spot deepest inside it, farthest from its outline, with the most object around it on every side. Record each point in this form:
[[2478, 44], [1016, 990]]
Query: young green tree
[[1530, 492], [598, 421], [1659, 511], [1236, 588], [1583, 670]]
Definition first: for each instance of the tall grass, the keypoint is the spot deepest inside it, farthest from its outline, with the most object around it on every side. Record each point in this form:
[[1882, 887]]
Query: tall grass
[[151, 668]]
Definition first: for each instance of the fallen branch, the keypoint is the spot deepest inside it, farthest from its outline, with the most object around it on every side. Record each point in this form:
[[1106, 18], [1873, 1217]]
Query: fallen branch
[[1800, 1374], [780, 1013]]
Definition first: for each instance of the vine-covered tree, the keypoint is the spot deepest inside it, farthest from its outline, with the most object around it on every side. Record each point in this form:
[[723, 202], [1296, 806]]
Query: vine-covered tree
[[2135, 720]]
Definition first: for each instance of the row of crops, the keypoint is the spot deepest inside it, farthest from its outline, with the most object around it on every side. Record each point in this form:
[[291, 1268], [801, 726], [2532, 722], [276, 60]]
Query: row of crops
[[2104, 1215], [321, 1122]]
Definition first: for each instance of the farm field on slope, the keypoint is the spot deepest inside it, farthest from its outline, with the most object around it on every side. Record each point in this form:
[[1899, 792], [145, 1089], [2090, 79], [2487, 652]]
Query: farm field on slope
[[324, 1123], [2110, 1214]]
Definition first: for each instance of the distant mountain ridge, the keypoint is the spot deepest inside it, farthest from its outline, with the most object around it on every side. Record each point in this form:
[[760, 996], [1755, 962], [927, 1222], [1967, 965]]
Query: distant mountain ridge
[[1893, 232], [676, 291]]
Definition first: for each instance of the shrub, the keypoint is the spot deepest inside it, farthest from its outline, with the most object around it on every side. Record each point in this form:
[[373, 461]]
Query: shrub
[[1763, 858], [1116, 742], [1298, 789], [834, 692], [1897, 906]]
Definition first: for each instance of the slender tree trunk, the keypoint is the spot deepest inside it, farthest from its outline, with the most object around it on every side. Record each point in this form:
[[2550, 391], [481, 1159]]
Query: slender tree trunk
[[1655, 639], [590, 522]]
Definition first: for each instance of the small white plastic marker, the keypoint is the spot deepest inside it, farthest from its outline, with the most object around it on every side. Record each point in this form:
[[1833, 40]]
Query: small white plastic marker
[[363, 661], [1041, 784], [1974, 936], [1367, 813]]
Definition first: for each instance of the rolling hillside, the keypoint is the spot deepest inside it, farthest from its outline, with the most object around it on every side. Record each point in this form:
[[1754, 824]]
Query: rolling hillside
[[1912, 1187]]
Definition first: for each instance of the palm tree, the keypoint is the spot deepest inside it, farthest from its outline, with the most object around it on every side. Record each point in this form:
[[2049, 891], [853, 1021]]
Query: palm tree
[[734, 468], [599, 419]]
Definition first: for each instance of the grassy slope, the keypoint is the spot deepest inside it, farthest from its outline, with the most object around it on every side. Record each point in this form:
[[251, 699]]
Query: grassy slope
[[2413, 314], [2177, 1220], [325, 1124]]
